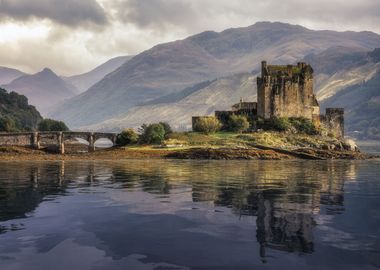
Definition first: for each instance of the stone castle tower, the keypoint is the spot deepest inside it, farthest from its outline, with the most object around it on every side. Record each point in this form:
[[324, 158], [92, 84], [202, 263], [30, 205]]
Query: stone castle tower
[[286, 91]]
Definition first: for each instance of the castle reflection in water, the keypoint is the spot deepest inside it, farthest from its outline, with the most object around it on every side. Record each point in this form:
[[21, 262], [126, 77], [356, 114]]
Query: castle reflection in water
[[284, 198]]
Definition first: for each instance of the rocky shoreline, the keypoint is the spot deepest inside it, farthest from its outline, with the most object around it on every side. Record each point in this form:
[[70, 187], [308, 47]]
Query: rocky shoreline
[[205, 153]]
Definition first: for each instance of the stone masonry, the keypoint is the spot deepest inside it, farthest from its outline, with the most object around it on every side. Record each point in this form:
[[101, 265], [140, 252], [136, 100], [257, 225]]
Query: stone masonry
[[286, 91]]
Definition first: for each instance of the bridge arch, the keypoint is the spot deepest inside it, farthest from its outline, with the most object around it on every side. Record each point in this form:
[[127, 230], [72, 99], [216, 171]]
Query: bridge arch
[[57, 139], [110, 137]]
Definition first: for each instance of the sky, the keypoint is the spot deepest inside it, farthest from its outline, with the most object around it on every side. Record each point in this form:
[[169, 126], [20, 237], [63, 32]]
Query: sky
[[74, 36]]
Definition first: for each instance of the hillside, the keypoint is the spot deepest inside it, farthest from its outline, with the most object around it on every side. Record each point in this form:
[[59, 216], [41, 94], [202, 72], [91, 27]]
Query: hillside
[[340, 67], [177, 109], [16, 114], [84, 81], [9, 74], [362, 104], [333, 73], [171, 67], [43, 89]]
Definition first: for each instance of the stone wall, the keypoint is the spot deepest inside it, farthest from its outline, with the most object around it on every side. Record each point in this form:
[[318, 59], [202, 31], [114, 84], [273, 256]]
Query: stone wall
[[334, 121], [16, 139], [40, 140], [286, 91]]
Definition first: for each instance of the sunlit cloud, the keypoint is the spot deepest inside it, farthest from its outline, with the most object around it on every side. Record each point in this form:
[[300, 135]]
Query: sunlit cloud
[[73, 36]]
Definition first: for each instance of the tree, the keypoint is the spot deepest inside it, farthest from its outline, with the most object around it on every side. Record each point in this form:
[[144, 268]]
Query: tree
[[52, 125], [238, 123], [16, 114], [127, 136], [152, 134], [7, 124], [209, 124], [167, 128]]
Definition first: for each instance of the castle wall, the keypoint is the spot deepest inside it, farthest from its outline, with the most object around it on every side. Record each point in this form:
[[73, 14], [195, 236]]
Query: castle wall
[[263, 97], [285, 91], [334, 121]]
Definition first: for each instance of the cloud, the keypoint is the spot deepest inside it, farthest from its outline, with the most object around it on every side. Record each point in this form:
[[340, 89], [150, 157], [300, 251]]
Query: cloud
[[67, 37], [157, 13], [198, 15], [71, 13]]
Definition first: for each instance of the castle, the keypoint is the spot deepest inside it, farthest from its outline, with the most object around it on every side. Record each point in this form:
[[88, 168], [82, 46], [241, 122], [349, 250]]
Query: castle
[[286, 91]]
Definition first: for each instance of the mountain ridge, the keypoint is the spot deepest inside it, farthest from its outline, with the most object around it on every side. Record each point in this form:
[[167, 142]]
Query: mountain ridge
[[43, 89], [169, 68], [85, 80], [7, 75]]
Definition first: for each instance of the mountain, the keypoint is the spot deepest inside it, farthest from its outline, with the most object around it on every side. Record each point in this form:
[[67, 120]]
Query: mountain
[[84, 81], [335, 69], [9, 74], [362, 103], [178, 108], [339, 67], [16, 114], [169, 68], [43, 89]]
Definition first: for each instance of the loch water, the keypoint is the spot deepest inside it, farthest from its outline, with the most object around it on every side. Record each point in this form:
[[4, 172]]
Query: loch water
[[170, 214]]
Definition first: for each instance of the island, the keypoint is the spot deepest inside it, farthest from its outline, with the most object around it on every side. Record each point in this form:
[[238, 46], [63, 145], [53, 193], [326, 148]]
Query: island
[[284, 123]]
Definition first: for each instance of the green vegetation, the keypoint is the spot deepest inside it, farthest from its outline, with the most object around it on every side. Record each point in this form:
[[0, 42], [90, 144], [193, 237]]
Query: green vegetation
[[127, 136], [246, 140], [207, 125], [290, 125], [238, 123], [153, 133], [167, 128], [52, 125], [16, 114]]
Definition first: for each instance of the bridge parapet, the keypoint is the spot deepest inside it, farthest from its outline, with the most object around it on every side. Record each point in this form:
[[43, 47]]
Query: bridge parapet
[[36, 139]]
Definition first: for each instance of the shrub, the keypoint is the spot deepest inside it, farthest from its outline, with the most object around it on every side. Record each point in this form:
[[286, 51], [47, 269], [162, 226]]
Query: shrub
[[153, 133], [207, 125], [52, 125], [127, 136], [281, 124], [167, 128], [303, 125], [238, 123], [293, 124]]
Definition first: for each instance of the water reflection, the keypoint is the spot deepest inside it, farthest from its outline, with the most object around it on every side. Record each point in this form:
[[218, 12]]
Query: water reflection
[[153, 202]]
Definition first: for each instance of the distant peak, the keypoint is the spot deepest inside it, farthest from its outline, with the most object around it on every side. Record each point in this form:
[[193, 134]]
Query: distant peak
[[47, 70], [268, 24]]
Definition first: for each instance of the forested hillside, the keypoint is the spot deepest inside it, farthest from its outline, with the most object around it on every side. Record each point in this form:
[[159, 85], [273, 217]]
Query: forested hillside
[[16, 114]]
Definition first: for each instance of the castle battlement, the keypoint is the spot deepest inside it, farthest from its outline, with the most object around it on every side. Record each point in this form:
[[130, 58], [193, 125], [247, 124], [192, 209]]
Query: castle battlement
[[286, 91]]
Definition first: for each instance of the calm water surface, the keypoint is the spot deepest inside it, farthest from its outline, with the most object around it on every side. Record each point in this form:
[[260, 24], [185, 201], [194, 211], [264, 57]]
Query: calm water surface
[[190, 215]]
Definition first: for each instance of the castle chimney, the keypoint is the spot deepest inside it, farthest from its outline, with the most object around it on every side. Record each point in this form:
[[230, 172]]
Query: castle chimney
[[263, 68]]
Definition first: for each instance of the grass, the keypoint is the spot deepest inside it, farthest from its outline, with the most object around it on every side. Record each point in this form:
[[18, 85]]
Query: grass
[[188, 140], [230, 139]]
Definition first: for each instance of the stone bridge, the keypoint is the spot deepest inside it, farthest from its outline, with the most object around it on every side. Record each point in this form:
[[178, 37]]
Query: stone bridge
[[37, 139]]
